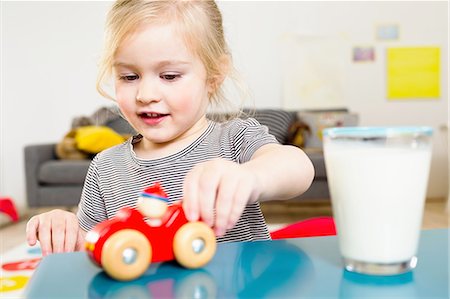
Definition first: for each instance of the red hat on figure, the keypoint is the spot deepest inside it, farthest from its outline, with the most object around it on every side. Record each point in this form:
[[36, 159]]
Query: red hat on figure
[[155, 191]]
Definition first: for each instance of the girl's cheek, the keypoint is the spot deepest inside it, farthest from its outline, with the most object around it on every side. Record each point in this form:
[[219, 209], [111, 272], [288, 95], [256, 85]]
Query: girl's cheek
[[123, 97], [123, 90], [124, 105]]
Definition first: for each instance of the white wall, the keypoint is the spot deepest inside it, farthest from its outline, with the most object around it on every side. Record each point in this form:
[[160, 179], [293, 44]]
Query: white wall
[[255, 31], [49, 63], [50, 51]]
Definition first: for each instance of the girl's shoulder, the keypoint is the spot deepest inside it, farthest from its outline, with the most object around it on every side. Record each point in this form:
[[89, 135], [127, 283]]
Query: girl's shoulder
[[114, 152], [239, 129], [238, 124]]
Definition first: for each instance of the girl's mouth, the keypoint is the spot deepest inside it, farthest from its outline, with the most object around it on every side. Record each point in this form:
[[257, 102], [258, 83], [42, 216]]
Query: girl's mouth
[[152, 118]]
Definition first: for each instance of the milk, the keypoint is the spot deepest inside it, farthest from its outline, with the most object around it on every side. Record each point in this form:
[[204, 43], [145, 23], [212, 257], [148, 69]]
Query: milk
[[378, 194]]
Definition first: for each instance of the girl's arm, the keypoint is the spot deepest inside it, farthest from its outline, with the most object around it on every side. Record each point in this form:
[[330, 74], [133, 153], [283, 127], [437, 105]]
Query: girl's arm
[[282, 171], [217, 191]]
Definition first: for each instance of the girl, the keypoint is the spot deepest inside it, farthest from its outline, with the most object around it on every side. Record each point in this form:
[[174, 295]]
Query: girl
[[169, 60]]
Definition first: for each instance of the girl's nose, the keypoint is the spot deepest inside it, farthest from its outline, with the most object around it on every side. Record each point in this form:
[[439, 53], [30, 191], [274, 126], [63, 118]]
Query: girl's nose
[[147, 92], [145, 99]]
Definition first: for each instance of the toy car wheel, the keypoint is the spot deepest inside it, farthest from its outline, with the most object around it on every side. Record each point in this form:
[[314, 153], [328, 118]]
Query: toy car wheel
[[194, 244], [126, 254]]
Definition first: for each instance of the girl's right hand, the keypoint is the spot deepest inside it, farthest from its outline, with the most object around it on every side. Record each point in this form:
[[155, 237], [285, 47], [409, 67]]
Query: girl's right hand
[[57, 231]]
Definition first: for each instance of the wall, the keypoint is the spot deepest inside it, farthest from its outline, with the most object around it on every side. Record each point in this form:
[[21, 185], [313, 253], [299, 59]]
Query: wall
[[421, 23], [49, 64], [50, 51]]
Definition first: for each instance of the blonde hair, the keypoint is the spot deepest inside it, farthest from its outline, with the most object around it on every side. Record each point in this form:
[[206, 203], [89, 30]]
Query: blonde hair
[[199, 22]]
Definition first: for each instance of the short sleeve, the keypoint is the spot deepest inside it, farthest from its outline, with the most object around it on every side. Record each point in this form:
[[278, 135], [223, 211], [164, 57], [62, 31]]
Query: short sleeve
[[249, 137], [91, 209]]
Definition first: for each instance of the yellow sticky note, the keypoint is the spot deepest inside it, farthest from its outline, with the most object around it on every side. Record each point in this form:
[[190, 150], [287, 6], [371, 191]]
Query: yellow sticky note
[[413, 72]]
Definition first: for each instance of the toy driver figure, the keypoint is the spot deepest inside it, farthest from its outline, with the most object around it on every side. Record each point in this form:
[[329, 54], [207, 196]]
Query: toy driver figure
[[152, 203]]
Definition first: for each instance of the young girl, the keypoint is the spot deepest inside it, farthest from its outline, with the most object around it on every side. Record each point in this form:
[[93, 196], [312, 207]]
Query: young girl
[[168, 60]]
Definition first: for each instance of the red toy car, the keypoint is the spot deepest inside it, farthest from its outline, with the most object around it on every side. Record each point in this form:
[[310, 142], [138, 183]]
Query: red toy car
[[126, 244]]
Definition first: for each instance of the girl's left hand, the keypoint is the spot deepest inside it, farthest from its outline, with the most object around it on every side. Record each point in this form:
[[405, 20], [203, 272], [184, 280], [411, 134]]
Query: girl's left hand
[[219, 188]]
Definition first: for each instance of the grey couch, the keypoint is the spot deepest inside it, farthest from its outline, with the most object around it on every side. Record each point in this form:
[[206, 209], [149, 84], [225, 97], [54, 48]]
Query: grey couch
[[54, 182]]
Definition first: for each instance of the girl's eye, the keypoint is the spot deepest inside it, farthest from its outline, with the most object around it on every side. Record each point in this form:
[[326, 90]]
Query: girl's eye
[[129, 77], [170, 77]]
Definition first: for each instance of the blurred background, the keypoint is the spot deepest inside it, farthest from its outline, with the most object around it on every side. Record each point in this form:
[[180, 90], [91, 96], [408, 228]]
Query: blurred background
[[306, 55]]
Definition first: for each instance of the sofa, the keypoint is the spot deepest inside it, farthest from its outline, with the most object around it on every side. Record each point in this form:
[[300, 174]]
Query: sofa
[[57, 182]]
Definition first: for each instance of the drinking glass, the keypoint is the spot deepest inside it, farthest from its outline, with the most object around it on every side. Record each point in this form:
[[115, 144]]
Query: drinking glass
[[378, 179]]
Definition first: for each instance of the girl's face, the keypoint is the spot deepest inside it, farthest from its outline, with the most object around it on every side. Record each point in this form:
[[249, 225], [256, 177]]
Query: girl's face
[[161, 86]]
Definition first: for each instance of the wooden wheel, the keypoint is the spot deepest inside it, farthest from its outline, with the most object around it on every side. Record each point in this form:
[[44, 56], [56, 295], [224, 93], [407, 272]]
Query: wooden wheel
[[126, 254], [194, 245]]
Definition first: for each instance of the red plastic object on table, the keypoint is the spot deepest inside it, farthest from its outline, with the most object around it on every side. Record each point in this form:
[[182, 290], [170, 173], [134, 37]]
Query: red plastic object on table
[[312, 227], [7, 207], [125, 245]]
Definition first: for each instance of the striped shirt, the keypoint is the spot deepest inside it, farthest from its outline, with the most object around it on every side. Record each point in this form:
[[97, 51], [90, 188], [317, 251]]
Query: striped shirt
[[116, 176]]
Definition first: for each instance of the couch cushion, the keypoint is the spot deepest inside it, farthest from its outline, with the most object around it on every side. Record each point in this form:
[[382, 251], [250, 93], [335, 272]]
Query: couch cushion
[[63, 172], [277, 121]]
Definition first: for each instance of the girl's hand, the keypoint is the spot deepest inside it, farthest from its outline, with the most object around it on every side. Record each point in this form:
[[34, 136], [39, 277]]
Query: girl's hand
[[57, 231], [219, 187]]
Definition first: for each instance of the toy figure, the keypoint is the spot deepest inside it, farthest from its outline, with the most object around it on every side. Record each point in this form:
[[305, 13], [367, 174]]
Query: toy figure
[[153, 204], [126, 244]]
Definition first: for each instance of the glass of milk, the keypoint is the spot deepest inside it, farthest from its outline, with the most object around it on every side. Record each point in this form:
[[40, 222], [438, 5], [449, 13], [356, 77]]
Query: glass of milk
[[378, 179]]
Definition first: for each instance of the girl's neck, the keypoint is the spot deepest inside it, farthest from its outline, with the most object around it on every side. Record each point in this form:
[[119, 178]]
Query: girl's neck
[[145, 149]]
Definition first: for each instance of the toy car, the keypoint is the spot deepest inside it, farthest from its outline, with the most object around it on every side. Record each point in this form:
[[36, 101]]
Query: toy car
[[126, 245]]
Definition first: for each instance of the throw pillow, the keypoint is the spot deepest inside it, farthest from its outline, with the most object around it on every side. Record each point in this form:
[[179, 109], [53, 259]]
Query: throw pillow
[[278, 121], [67, 148], [317, 121], [94, 139], [298, 133]]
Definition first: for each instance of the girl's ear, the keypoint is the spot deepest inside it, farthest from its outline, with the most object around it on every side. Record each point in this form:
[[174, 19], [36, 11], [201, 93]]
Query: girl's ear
[[217, 79]]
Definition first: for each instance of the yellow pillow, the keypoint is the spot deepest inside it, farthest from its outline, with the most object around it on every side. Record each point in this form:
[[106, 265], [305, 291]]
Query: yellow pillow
[[94, 139]]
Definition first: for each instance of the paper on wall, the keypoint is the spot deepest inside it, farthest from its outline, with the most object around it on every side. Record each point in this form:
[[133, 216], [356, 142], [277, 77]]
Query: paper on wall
[[313, 72], [413, 73]]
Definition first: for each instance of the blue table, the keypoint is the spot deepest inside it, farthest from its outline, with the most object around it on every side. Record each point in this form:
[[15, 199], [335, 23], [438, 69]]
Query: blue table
[[293, 268]]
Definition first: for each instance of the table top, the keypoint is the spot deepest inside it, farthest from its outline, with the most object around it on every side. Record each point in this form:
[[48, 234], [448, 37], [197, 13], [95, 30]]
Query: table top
[[300, 268]]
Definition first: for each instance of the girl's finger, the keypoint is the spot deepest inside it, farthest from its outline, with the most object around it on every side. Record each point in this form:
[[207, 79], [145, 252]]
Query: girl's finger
[[31, 230], [71, 235], [58, 234], [45, 239], [240, 201], [224, 203], [80, 240], [208, 184], [190, 195]]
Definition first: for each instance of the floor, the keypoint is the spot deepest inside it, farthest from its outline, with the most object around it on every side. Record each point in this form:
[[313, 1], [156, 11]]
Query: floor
[[436, 213], [277, 215]]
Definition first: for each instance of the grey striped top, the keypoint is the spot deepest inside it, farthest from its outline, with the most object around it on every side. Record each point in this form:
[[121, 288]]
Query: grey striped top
[[116, 176]]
